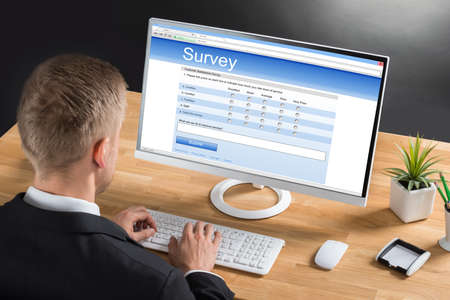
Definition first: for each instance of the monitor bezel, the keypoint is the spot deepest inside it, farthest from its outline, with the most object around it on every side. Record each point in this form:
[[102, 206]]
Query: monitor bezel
[[305, 188]]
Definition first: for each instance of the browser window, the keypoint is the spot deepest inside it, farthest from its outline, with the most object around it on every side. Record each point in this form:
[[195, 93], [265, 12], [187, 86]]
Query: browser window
[[288, 112]]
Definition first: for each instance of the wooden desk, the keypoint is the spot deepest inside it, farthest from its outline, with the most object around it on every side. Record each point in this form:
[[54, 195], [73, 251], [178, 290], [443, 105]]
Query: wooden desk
[[306, 224]]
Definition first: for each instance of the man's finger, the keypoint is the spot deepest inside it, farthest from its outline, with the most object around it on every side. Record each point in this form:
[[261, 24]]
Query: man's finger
[[199, 228], [145, 216], [150, 222], [209, 229], [187, 231], [137, 226], [146, 220], [132, 210], [217, 238], [139, 208], [143, 234]]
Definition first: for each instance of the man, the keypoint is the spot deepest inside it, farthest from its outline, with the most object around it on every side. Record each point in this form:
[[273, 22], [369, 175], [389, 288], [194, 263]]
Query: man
[[54, 243]]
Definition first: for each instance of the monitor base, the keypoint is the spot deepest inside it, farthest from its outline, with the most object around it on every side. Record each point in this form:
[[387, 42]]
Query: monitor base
[[216, 196]]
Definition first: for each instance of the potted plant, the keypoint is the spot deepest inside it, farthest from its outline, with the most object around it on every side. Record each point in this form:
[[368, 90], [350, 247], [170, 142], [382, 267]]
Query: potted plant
[[412, 191]]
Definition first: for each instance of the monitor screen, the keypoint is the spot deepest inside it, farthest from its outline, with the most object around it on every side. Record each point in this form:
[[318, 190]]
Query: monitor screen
[[295, 112]]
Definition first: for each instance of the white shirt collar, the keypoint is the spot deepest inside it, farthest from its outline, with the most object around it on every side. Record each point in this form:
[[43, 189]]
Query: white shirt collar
[[47, 201]]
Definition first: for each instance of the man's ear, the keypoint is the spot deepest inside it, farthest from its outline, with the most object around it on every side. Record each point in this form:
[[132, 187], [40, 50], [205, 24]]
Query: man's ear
[[99, 154]]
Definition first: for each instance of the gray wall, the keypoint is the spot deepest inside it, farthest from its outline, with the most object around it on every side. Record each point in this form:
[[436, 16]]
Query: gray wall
[[415, 34]]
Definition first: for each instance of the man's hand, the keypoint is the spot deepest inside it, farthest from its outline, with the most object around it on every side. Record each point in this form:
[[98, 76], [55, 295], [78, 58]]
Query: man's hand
[[196, 250], [137, 222]]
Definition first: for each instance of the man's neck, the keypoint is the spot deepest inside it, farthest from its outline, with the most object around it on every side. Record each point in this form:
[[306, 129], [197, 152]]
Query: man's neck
[[80, 187]]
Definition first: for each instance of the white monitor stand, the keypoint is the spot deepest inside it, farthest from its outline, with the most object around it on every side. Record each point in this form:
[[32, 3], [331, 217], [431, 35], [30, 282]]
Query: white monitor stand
[[216, 196]]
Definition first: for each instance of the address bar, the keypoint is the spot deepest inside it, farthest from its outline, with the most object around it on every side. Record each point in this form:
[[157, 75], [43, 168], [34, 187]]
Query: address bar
[[298, 57], [306, 54]]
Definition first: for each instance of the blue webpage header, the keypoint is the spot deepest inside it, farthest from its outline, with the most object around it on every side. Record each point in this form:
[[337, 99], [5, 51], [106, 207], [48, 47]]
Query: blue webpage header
[[268, 68]]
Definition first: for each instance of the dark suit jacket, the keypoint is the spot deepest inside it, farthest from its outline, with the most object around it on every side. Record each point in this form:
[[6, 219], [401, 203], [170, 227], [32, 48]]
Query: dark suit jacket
[[66, 255]]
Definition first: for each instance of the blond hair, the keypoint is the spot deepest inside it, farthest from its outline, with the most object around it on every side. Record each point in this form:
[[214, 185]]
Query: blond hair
[[68, 102]]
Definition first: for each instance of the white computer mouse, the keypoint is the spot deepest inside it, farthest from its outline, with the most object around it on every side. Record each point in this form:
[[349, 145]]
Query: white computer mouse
[[330, 253]]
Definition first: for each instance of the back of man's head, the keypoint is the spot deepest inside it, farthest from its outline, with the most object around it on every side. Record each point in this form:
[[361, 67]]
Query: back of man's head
[[68, 102]]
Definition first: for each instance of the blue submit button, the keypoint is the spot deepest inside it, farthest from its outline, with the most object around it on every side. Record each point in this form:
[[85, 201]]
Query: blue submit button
[[196, 143]]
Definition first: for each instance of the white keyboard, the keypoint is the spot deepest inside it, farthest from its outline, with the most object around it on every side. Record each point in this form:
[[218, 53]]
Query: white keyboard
[[241, 250]]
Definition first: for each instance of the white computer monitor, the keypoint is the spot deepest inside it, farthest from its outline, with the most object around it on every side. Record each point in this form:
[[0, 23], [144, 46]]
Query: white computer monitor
[[290, 115]]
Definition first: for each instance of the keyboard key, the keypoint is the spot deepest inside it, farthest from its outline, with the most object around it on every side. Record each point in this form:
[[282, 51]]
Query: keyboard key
[[261, 264], [235, 246], [160, 241], [244, 261], [227, 251], [241, 236]]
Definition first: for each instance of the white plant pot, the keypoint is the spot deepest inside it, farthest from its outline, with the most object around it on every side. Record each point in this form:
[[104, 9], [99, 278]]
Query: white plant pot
[[414, 205]]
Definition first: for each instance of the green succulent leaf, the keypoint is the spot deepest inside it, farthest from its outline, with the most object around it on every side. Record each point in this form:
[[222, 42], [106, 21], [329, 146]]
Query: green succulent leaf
[[410, 185], [405, 157], [417, 150], [424, 180], [417, 164], [396, 171], [430, 172], [402, 178], [426, 151], [428, 164]]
